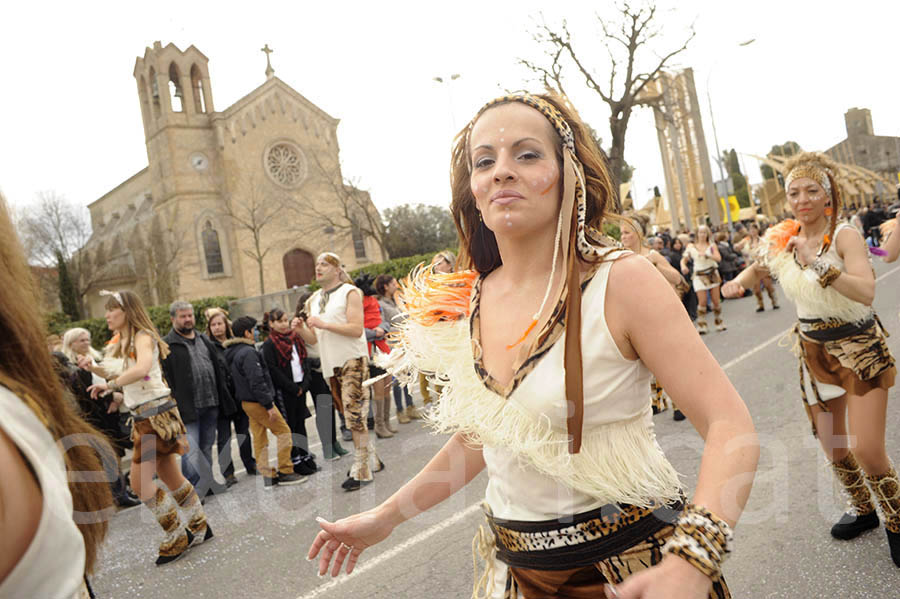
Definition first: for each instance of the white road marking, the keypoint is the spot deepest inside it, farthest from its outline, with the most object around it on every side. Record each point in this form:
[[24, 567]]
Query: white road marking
[[382, 557]]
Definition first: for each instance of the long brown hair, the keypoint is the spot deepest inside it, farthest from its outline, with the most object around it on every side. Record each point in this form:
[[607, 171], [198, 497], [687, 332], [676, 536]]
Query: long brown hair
[[137, 320], [27, 370], [478, 246], [213, 313]]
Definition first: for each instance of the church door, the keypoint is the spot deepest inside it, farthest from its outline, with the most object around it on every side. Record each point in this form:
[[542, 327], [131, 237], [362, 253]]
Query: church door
[[299, 268]]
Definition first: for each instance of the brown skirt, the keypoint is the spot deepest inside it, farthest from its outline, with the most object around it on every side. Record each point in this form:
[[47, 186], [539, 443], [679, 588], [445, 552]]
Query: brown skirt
[[148, 445], [857, 364]]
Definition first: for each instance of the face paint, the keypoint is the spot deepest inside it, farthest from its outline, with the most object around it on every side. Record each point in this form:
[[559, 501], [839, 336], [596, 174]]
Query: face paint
[[549, 187]]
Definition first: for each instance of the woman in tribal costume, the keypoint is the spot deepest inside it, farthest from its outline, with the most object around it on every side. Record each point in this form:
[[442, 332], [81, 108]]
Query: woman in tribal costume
[[545, 346], [706, 278], [749, 247], [846, 367], [633, 231]]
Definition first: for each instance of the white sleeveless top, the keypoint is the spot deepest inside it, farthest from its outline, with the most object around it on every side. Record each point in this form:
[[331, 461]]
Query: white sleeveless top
[[801, 285], [336, 349], [524, 436], [53, 564], [150, 387], [702, 261]]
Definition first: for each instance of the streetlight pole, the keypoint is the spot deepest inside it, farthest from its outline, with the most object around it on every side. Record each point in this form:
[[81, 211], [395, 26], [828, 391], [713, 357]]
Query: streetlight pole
[[719, 158], [448, 81]]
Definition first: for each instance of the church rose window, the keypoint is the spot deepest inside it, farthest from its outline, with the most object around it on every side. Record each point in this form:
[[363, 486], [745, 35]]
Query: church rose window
[[284, 164]]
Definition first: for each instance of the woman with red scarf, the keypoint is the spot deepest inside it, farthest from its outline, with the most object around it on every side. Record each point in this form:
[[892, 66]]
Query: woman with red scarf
[[285, 356]]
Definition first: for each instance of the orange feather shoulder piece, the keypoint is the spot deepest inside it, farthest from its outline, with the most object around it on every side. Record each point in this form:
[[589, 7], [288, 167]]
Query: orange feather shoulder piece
[[429, 297], [777, 236]]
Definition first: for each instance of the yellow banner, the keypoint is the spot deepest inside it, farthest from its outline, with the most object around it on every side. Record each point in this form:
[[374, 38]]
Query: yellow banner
[[735, 208]]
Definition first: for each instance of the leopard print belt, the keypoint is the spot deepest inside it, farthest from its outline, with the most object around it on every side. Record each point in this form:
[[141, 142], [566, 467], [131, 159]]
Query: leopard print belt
[[832, 329], [580, 540]]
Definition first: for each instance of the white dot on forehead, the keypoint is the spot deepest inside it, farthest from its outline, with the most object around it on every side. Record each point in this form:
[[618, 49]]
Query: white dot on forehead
[[502, 140], [502, 129]]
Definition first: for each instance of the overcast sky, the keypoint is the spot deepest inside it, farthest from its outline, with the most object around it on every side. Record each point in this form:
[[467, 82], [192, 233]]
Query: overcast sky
[[70, 119]]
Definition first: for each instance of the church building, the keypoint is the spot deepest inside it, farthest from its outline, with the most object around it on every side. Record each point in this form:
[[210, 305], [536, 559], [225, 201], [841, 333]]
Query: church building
[[235, 202]]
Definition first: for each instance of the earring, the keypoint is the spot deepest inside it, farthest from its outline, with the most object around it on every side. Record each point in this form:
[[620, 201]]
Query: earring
[[828, 210], [479, 216]]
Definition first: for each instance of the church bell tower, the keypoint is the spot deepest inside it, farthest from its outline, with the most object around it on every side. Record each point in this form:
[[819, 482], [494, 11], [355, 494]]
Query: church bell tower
[[176, 106]]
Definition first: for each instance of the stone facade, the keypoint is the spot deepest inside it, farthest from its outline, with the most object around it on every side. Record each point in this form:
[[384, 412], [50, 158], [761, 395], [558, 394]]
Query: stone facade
[[878, 153], [224, 191]]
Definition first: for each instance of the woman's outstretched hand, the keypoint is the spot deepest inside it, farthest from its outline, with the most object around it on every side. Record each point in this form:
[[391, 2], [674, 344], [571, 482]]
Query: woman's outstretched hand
[[346, 539], [732, 289]]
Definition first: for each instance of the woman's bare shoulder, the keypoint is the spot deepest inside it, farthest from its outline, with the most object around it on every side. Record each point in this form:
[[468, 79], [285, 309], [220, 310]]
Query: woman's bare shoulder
[[21, 504]]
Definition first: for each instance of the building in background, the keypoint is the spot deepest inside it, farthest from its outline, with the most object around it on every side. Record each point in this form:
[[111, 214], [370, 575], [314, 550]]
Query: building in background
[[877, 153], [235, 202]]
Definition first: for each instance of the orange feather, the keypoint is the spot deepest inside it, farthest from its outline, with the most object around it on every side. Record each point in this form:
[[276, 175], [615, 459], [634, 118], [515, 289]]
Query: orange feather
[[777, 236]]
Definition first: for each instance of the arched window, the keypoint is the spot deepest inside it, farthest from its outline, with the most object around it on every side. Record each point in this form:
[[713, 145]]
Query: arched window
[[359, 242], [197, 86], [212, 250], [154, 92], [175, 90]]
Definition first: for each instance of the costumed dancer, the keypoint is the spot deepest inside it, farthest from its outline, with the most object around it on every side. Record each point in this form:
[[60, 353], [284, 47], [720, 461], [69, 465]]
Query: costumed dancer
[[846, 367], [633, 232], [706, 257], [890, 243], [749, 247], [335, 324], [545, 351], [132, 366]]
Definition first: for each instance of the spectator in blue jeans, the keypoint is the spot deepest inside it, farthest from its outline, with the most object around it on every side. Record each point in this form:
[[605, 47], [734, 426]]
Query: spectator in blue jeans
[[200, 389]]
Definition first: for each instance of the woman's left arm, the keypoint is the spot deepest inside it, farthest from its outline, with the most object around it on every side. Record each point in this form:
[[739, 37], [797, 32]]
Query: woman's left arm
[[858, 282], [892, 244], [661, 335]]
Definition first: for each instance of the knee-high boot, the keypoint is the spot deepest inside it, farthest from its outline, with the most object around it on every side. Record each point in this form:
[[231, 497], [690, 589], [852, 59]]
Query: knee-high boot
[[720, 324], [387, 413], [861, 516], [188, 501], [886, 488], [760, 307], [701, 320], [381, 429], [177, 539]]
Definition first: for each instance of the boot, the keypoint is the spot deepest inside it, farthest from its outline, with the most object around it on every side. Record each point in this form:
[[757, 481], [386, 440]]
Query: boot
[[760, 307], [402, 416], [861, 516], [886, 488], [720, 324], [360, 474], [189, 502], [413, 413], [121, 496], [772, 297], [178, 539], [701, 320], [657, 397], [380, 429], [387, 415]]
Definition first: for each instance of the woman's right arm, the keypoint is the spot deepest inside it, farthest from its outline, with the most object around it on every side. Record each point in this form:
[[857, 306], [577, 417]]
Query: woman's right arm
[[457, 463], [892, 244], [747, 279]]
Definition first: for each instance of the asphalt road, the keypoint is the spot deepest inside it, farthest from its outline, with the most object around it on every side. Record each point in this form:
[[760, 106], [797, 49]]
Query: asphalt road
[[782, 549]]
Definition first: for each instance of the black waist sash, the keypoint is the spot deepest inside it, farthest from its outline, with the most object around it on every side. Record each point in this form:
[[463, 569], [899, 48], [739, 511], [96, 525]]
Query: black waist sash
[[582, 541], [821, 330]]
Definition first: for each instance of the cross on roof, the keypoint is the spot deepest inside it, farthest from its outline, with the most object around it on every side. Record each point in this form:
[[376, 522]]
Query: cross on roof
[[269, 70]]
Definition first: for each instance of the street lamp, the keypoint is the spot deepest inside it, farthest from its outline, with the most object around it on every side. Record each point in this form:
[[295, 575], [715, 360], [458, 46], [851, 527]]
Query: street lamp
[[448, 80], [719, 160]]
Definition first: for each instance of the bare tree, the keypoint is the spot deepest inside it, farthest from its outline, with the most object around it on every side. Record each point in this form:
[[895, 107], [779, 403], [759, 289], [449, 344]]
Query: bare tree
[[53, 231], [349, 210], [627, 39], [255, 208], [156, 251]]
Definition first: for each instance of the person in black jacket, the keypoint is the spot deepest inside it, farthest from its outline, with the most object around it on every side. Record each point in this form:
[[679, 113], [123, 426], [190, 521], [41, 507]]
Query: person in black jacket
[[198, 384], [284, 354], [253, 388], [218, 330]]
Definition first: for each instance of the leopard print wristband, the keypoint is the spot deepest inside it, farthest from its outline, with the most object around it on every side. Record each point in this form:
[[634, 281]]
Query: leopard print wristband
[[702, 539], [826, 272]]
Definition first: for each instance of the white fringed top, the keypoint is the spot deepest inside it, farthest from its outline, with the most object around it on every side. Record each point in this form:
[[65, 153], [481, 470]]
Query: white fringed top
[[524, 437]]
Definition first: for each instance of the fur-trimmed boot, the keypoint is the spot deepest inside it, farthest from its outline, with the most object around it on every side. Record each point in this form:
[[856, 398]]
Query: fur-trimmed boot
[[189, 502], [657, 397], [178, 539], [760, 307], [702, 325], [720, 324], [772, 297], [360, 473], [886, 487], [861, 516]]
